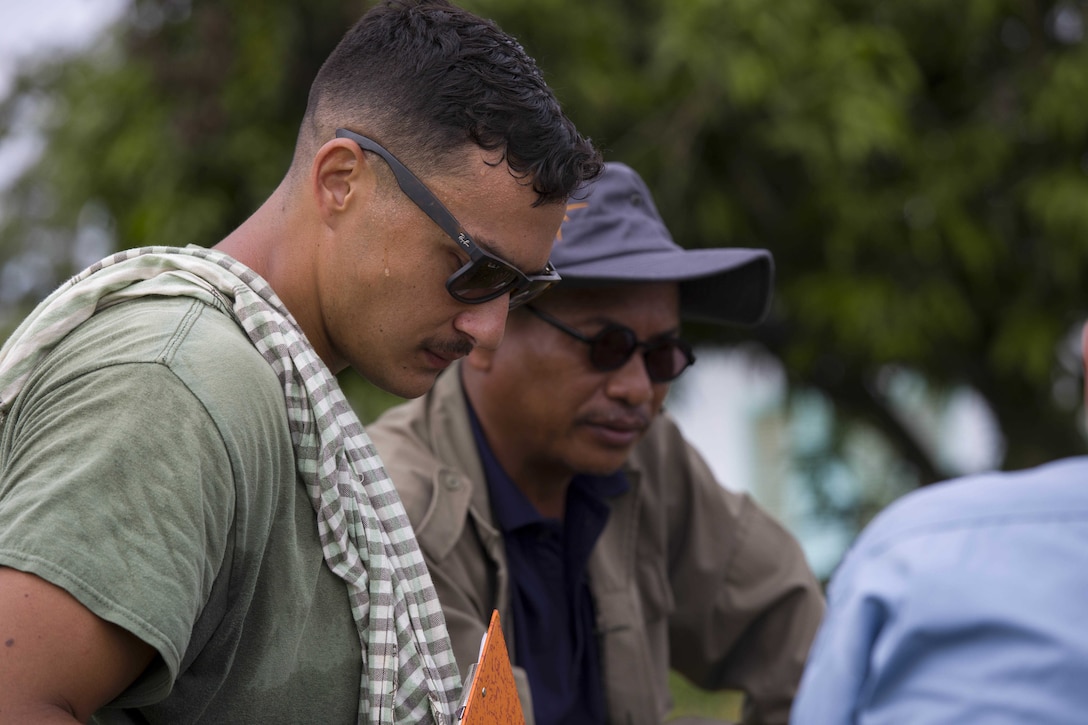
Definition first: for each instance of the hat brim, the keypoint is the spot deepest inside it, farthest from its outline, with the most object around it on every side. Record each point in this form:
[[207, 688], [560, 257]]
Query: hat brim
[[726, 285]]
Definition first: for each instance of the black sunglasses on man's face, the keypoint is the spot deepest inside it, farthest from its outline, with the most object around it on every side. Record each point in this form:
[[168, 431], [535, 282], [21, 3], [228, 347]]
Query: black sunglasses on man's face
[[484, 277], [610, 349]]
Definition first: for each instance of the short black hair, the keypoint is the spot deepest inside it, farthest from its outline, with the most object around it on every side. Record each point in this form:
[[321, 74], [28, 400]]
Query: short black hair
[[424, 78]]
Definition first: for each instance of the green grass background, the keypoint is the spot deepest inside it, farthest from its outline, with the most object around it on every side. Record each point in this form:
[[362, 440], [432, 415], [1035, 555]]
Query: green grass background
[[690, 701]]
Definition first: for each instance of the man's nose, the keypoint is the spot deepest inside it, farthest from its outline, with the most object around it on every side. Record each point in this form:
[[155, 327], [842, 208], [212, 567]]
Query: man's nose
[[484, 323], [631, 382]]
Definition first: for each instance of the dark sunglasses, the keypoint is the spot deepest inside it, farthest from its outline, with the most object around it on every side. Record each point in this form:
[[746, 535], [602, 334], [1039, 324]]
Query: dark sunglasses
[[610, 349], [484, 277]]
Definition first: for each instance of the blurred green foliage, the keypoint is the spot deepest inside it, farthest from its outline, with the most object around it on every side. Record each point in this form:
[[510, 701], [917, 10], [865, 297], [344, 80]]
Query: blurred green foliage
[[690, 701], [918, 168]]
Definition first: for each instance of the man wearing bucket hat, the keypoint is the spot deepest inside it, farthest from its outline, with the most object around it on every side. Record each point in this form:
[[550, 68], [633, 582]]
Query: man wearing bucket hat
[[544, 480]]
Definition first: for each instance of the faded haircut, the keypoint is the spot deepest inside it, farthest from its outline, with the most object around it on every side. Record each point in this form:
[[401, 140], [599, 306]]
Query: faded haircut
[[425, 78]]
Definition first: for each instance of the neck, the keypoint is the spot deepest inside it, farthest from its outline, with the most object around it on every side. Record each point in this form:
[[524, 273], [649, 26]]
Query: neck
[[260, 238], [275, 243], [543, 481], [544, 485], [549, 498]]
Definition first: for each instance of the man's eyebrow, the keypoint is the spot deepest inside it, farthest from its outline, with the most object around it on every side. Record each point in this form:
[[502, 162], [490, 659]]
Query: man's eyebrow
[[488, 246]]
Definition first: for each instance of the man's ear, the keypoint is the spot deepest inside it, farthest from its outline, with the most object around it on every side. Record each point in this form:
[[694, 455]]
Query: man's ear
[[480, 359], [340, 173]]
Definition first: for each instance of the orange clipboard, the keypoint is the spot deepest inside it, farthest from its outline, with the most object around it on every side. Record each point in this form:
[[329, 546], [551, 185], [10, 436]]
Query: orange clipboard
[[491, 694]]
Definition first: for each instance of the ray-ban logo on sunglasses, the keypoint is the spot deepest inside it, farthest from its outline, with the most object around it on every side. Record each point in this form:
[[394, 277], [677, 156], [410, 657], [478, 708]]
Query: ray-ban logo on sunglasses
[[463, 240]]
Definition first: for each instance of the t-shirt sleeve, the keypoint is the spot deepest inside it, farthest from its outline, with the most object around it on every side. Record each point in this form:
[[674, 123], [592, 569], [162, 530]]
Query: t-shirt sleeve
[[117, 487]]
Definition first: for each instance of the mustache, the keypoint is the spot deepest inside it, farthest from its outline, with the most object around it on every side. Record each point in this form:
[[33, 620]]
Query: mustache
[[627, 419], [451, 349]]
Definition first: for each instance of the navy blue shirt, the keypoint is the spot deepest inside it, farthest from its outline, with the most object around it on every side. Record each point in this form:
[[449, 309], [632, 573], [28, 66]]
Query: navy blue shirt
[[554, 617]]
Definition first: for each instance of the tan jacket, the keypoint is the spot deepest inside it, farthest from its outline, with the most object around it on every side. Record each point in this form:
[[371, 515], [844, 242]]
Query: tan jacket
[[686, 574]]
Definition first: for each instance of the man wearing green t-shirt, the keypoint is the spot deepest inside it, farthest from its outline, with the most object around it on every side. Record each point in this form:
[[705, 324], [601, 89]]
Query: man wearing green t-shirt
[[194, 526]]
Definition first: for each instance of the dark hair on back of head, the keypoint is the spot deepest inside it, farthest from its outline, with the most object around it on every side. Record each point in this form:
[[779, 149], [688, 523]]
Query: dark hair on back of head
[[423, 78]]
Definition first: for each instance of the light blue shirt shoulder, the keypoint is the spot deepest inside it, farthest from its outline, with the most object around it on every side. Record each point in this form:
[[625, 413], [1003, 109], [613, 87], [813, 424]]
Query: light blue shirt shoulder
[[963, 602]]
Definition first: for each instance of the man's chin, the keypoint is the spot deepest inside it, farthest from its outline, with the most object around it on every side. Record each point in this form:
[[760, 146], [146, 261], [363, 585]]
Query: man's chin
[[414, 388], [601, 465], [405, 386]]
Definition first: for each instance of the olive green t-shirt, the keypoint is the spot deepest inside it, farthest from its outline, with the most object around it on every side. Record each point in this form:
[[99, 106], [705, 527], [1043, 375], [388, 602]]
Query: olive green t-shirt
[[147, 469]]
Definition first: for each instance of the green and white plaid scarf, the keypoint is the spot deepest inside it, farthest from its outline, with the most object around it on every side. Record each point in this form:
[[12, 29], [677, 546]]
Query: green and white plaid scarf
[[409, 673]]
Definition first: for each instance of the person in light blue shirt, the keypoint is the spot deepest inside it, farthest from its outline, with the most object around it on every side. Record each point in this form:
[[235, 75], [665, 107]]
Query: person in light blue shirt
[[961, 603]]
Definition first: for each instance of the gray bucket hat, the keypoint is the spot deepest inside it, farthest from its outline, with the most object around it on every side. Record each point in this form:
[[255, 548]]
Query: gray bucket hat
[[612, 234]]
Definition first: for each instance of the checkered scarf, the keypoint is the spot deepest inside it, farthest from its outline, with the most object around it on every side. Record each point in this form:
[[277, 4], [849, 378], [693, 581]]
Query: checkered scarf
[[409, 673]]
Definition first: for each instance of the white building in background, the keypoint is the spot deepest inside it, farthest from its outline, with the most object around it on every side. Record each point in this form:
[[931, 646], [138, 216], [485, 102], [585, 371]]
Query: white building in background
[[732, 406]]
